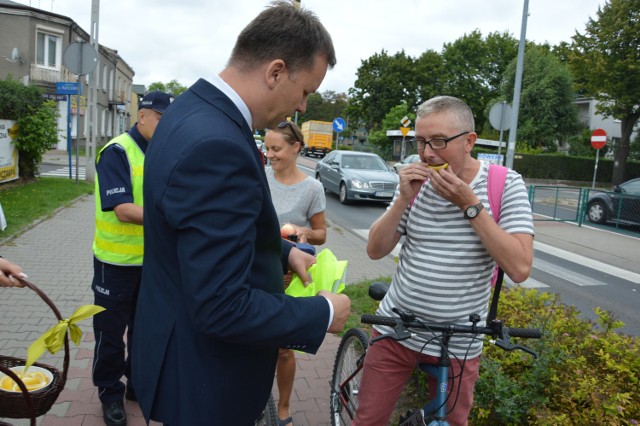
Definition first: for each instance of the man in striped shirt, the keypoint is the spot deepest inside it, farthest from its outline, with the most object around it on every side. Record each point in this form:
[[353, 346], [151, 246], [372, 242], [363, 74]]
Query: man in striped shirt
[[451, 246]]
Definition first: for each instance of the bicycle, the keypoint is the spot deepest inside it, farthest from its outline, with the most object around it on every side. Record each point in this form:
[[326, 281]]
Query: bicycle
[[347, 370], [269, 417]]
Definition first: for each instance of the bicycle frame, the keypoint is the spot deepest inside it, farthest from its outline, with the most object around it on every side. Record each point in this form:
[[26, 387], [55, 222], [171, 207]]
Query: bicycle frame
[[345, 391], [355, 342]]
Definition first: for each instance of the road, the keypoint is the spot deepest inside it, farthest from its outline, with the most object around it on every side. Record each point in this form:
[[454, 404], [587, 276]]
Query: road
[[579, 281], [51, 170]]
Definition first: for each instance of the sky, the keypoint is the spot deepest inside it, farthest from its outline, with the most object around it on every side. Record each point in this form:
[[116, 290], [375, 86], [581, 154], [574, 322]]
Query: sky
[[185, 40]]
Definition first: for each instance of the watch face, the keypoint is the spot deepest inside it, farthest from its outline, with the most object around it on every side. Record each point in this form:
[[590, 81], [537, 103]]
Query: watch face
[[472, 211]]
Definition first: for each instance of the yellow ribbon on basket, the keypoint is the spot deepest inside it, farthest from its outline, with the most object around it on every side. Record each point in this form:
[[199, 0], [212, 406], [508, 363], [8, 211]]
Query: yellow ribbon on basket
[[53, 339], [328, 273]]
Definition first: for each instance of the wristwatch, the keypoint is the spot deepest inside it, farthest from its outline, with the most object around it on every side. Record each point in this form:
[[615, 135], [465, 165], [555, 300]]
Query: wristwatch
[[473, 211]]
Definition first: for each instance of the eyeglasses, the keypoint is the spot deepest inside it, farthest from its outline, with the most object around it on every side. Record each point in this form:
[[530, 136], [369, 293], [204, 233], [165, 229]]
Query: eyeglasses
[[435, 144], [296, 136]]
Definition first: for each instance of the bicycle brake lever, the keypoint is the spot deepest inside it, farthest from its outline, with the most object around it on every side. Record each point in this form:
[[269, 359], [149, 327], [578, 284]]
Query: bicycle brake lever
[[400, 334], [527, 350]]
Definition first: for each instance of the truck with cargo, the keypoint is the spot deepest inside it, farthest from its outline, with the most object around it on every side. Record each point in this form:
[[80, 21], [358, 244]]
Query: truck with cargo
[[318, 137]]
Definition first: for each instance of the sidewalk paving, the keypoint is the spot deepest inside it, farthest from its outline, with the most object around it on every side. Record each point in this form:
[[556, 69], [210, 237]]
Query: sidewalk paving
[[56, 254]]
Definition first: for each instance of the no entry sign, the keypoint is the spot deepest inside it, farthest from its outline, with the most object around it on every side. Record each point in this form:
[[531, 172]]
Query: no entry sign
[[598, 138]]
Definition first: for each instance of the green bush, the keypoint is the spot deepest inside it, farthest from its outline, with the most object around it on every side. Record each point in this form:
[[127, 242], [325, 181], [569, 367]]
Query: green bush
[[561, 167], [36, 122], [584, 375]]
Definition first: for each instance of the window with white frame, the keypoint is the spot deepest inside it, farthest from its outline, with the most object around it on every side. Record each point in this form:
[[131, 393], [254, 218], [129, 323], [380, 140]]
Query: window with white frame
[[48, 49], [111, 83]]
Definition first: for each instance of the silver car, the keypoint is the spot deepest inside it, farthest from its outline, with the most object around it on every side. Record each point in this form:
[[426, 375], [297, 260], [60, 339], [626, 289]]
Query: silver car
[[357, 176], [413, 158]]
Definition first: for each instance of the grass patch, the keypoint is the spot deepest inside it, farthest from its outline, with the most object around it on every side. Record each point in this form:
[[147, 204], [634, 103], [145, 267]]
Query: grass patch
[[361, 303], [25, 202]]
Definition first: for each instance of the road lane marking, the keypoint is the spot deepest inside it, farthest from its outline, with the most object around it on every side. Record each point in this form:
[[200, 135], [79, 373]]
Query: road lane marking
[[64, 172], [550, 268], [588, 262]]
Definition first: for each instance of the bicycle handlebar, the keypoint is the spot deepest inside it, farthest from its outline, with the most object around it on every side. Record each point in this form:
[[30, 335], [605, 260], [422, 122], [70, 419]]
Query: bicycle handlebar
[[496, 329]]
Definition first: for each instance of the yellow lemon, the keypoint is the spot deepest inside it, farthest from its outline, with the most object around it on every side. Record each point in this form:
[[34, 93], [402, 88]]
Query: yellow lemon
[[439, 166], [33, 380]]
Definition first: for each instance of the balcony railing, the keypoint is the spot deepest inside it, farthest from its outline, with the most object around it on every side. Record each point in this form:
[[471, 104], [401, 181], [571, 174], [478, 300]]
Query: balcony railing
[[41, 74]]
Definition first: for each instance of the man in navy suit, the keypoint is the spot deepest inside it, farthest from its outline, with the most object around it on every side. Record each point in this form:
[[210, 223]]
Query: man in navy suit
[[211, 311]]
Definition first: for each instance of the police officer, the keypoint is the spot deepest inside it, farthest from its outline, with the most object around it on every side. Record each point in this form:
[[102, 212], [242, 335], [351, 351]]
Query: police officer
[[118, 251]]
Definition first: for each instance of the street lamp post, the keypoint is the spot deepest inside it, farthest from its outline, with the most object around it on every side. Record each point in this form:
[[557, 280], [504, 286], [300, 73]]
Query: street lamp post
[[511, 147]]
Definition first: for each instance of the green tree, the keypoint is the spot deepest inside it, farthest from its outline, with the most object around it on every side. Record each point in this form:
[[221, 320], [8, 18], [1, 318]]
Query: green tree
[[173, 87], [324, 106], [378, 138], [474, 67], [634, 148], [547, 111], [382, 82], [36, 121], [580, 145], [430, 70], [606, 62]]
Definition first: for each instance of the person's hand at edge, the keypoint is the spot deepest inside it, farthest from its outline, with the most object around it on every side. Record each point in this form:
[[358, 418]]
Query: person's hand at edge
[[299, 262], [341, 310], [9, 272]]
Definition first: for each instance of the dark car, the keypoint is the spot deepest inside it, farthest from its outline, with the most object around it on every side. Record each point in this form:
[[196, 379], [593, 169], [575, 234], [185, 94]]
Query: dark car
[[622, 205], [357, 176]]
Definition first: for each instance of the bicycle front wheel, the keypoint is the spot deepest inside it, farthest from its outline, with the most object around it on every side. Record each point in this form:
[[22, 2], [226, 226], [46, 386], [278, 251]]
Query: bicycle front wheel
[[347, 372], [269, 416]]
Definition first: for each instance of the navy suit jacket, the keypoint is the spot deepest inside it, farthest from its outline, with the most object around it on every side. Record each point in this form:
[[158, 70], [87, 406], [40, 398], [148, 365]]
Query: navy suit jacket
[[211, 311]]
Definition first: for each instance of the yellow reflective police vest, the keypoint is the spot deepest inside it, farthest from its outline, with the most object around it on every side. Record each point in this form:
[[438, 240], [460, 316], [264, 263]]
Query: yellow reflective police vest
[[116, 242]]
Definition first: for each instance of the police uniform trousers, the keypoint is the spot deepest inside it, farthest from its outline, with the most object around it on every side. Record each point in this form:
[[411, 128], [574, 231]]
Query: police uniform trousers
[[115, 288]]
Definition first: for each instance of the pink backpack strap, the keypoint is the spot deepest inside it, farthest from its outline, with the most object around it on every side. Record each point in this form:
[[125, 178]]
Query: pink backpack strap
[[496, 179]]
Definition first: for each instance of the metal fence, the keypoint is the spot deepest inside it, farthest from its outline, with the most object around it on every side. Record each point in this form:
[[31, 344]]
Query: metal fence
[[607, 209]]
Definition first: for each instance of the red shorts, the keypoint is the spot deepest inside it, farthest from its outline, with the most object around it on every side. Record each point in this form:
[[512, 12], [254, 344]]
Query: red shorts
[[387, 367]]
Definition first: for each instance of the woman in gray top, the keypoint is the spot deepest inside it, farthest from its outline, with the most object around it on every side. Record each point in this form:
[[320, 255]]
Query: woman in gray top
[[299, 200]]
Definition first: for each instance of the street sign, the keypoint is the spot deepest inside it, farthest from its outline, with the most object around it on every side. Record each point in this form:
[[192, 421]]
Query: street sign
[[339, 125], [66, 88], [405, 121], [500, 116], [404, 131], [598, 138]]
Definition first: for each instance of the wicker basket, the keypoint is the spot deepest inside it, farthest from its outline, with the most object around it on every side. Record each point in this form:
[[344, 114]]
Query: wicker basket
[[25, 405]]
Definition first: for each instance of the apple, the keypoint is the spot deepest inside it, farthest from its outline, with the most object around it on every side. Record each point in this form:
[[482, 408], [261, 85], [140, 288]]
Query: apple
[[287, 230]]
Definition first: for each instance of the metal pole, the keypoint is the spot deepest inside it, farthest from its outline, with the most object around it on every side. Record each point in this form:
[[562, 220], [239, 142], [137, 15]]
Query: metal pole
[[92, 101], [78, 128], [511, 147], [69, 145], [501, 127], [595, 169]]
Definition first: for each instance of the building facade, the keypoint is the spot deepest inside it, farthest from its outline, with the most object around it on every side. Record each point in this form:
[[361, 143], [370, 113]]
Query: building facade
[[32, 46]]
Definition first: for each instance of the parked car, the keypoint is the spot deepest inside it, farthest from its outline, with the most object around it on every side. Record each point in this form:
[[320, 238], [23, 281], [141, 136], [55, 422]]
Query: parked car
[[357, 176], [622, 205], [413, 158]]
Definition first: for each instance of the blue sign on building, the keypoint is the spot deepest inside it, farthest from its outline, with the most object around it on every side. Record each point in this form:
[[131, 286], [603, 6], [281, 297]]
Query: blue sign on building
[[66, 88]]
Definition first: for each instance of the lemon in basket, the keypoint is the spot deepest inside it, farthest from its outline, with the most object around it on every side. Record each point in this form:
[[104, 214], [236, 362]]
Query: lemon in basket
[[34, 379]]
